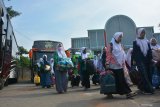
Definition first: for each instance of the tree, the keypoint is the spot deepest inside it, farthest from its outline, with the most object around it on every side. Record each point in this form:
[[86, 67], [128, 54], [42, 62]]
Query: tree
[[24, 62], [22, 50], [12, 13]]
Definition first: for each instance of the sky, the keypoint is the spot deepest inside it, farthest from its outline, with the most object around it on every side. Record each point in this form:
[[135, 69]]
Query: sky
[[61, 20]]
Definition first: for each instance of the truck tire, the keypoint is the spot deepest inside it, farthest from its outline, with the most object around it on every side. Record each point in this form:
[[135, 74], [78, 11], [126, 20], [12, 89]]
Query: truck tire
[[6, 83]]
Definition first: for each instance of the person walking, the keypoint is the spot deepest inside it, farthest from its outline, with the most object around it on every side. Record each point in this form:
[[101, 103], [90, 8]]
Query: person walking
[[142, 58], [61, 79], [83, 69], [115, 61], [45, 72]]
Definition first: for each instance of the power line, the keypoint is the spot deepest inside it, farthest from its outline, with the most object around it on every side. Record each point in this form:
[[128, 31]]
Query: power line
[[24, 35]]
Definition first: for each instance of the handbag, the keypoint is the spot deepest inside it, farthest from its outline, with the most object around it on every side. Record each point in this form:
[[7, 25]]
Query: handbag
[[65, 64], [47, 68], [134, 75], [90, 67]]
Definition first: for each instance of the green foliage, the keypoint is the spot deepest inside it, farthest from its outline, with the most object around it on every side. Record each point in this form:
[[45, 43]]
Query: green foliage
[[22, 50], [12, 13], [24, 61]]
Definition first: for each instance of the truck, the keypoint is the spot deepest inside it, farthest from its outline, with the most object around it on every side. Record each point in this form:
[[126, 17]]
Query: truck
[[39, 48], [8, 48]]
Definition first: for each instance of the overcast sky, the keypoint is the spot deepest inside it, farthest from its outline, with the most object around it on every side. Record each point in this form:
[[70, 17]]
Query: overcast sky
[[61, 20]]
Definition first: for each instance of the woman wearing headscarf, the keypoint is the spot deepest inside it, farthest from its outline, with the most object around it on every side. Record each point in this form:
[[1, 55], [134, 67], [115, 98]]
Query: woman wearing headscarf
[[142, 58], [155, 50], [156, 59], [60, 75], [45, 72], [153, 43], [83, 69], [115, 61]]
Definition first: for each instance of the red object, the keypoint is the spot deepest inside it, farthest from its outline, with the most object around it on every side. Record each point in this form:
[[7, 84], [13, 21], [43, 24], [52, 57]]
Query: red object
[[30, 54], [78, 66]]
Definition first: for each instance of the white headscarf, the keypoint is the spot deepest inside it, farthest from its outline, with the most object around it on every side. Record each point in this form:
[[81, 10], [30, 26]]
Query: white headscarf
[[154, 47], [61, 52], [45, 56], [84, 56], [128, 56], [142, 43], [118, 51]]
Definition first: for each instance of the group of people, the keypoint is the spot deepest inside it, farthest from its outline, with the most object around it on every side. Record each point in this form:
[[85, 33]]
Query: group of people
[[51, 69], [144, 55]]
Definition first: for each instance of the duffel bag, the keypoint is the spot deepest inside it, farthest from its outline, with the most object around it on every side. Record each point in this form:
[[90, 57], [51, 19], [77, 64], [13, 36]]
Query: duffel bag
[[107, 84]]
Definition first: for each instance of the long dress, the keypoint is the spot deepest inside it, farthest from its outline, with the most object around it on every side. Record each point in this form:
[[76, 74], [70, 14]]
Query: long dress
[[45, 75], [61, 78], [144, 66], [121, 84], [84, 74]]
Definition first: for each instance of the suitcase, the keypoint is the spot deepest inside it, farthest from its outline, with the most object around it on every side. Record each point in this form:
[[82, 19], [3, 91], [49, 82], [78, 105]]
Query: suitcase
[[107, 84]]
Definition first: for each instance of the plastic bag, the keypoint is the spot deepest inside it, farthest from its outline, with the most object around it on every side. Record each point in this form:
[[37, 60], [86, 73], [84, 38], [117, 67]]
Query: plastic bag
[[36, 79], [66, 63]]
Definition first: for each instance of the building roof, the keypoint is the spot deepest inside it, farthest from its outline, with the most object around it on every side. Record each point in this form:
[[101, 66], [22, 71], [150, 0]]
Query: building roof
[[80, 38], [95, 29]]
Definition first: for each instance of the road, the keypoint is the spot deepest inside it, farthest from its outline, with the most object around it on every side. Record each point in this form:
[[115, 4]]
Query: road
[[29, 95]]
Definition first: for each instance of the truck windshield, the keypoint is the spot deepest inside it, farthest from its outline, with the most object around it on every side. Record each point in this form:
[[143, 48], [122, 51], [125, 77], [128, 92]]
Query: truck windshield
[[39, 55]]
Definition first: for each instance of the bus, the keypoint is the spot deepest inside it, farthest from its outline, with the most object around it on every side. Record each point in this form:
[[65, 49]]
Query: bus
[[39, 48], [8, 48]]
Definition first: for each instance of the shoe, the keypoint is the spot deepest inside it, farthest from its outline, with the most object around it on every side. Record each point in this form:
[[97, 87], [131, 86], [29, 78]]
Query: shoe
[[48, 86], [65, 91], [85, 89], [147, 93], [109, 96], [60, 92], [130, 95]]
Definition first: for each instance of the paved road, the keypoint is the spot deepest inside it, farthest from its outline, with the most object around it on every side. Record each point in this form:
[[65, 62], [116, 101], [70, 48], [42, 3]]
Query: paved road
[[29, 95]]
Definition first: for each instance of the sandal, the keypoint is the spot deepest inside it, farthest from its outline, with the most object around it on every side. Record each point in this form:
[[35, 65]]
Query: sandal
[[130, 95]]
